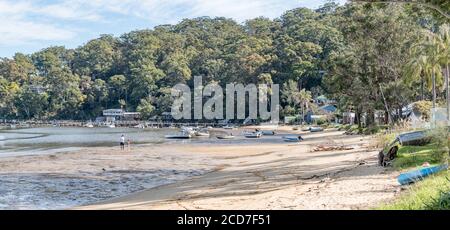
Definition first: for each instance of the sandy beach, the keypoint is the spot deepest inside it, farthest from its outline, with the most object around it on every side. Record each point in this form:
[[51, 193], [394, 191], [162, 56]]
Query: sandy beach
[[254, 175], [275, 176]]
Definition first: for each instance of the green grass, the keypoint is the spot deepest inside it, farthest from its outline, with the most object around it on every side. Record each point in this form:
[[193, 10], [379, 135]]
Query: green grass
[[433, 193], [430, 194], [413, 156]]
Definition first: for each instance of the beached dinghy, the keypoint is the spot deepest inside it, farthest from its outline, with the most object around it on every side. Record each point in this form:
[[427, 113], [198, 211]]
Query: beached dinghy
[[226, 137], [316, 129], [202, 134], [292, 138], [416, 175], [253, 135], [268, 132], [306, 129]]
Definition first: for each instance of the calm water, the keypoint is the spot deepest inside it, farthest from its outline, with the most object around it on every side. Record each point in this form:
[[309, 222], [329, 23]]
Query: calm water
[[59, 191], [47, 140], [54, 139]]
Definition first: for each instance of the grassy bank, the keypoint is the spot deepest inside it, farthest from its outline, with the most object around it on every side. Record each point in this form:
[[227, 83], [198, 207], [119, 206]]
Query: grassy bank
[[433, 193], [414, 156]]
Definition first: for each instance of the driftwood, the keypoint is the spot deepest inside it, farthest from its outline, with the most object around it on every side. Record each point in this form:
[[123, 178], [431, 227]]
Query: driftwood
[[321, 148]]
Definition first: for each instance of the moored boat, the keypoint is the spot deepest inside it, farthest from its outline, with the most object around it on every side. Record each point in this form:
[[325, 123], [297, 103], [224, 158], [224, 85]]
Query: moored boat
[[182, 135]]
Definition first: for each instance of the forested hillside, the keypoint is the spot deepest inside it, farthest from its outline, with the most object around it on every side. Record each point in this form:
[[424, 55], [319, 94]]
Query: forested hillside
[[350, 53]]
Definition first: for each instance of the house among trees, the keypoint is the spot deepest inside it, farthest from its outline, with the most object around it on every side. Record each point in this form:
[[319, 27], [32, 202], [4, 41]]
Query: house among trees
[[112, 115]]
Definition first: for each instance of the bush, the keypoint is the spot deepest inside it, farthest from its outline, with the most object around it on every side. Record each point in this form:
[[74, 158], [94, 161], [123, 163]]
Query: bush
[[424, 108]]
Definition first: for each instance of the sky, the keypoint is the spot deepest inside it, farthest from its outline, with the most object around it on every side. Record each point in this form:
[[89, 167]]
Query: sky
[[28, 26]]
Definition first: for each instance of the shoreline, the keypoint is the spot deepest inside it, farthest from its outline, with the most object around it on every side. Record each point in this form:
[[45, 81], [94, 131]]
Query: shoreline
[[181, 175], [360, 184]]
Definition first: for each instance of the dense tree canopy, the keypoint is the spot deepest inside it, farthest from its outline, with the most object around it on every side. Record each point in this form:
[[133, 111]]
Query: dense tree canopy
[[355, 54]]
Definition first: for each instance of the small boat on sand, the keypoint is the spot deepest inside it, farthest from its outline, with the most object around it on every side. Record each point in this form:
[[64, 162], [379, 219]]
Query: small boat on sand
[[292, 138], [416, 175], [202, 133], [316, 129], [268, 132], [225, 137], [253, 135]]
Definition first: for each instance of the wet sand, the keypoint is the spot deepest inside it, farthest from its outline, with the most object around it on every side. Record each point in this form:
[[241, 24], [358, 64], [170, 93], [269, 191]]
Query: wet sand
[[264, 176]]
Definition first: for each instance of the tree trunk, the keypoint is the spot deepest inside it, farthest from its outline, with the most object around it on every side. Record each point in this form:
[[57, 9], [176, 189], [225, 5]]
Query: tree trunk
[[386, 118], [422, 88], [358, 118], [447, 90], [434, 89]]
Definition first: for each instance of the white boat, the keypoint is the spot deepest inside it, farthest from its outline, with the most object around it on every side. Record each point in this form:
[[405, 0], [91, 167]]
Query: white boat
[[89, 125], [292, 138], [182, 135], [268, 132], [306, 129], [316, 129], [111, 126], [228, 127], [202, 134], [253, 135], [225, 137], [140, 126]]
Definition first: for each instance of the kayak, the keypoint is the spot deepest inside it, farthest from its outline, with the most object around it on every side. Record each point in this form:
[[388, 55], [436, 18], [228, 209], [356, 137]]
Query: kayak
[[416, 175]]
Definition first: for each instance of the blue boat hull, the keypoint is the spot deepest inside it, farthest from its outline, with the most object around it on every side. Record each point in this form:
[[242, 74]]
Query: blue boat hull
[[416, 175]]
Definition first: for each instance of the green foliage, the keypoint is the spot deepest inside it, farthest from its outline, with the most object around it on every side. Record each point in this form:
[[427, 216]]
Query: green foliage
[[437, 152], [414, 156], [349, 53], [424, 108], [145, 107]]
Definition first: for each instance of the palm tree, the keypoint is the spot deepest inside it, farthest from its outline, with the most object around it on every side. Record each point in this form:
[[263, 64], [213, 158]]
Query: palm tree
[[443, 43], [304, 98], [418, 68], [292, 95], [427, 63]]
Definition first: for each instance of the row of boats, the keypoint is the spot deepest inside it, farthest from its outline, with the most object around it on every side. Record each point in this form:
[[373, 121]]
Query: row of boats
[[188, 133]]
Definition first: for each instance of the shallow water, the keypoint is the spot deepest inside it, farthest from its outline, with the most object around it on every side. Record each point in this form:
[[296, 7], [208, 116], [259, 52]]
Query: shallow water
[[56, 191], [17, 142], [60, 191]]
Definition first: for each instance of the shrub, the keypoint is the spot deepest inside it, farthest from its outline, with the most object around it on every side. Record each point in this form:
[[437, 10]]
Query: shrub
[[424, 108]]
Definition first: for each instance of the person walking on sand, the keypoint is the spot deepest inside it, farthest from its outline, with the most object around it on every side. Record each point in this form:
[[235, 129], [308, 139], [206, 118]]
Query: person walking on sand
[[129, 144], [122, 142]]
